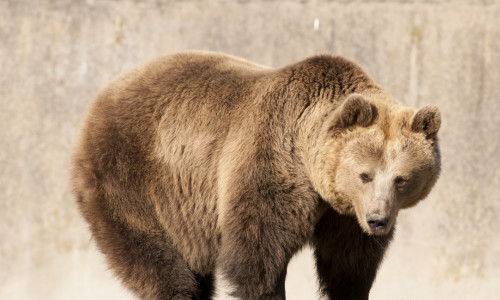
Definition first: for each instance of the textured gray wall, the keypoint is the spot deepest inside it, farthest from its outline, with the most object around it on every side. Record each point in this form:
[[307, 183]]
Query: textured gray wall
[[55, 55]]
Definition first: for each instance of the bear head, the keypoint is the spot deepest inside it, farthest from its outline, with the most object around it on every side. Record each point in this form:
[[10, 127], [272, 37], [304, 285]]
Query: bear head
[[377, 157]]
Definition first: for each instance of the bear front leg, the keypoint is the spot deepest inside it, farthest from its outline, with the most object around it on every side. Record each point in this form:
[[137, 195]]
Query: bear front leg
[[259, 237], [347, 259]]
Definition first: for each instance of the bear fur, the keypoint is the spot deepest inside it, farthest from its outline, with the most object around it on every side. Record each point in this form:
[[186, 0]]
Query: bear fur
[[197, 161]]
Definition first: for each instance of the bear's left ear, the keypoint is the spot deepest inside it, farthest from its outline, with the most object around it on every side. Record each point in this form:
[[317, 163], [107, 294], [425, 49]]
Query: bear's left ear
[[427, 120], [356, 110]]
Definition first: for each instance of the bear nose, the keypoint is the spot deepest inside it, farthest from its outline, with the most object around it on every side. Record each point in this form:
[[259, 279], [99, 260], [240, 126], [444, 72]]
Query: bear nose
[[376, 222]]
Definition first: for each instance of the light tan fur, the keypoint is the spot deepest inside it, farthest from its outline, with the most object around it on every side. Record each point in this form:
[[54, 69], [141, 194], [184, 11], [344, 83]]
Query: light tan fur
[[391, 148]]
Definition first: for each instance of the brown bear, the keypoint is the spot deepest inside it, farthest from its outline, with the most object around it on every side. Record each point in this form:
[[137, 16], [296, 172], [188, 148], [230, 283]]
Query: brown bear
[[197, 161]]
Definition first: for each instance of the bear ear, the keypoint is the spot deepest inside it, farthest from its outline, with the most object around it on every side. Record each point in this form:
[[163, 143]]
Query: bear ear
[[427, 120], [356, 110]]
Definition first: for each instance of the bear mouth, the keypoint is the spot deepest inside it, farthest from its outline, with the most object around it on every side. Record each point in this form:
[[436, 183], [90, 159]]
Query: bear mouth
[[380, 230]]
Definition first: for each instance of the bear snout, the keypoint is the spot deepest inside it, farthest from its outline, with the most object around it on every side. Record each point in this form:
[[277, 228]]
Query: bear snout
[[377, 222]]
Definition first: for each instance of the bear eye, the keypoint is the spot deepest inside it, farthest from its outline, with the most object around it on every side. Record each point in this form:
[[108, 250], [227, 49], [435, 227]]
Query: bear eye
[[365, 177], [400, 182]]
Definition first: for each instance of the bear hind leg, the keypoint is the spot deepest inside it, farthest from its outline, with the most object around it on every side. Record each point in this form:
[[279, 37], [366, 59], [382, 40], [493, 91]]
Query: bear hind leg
[[146, 262]]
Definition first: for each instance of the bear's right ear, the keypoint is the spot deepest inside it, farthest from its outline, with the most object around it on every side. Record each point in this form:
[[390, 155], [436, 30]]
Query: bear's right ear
[[356, 110]]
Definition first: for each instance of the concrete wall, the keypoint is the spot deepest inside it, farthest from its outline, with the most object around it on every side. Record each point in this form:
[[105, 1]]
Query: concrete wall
[[55, 55]]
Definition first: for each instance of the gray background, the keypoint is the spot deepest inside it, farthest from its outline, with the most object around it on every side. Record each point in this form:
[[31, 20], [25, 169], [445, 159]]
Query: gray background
[[55, 55]]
